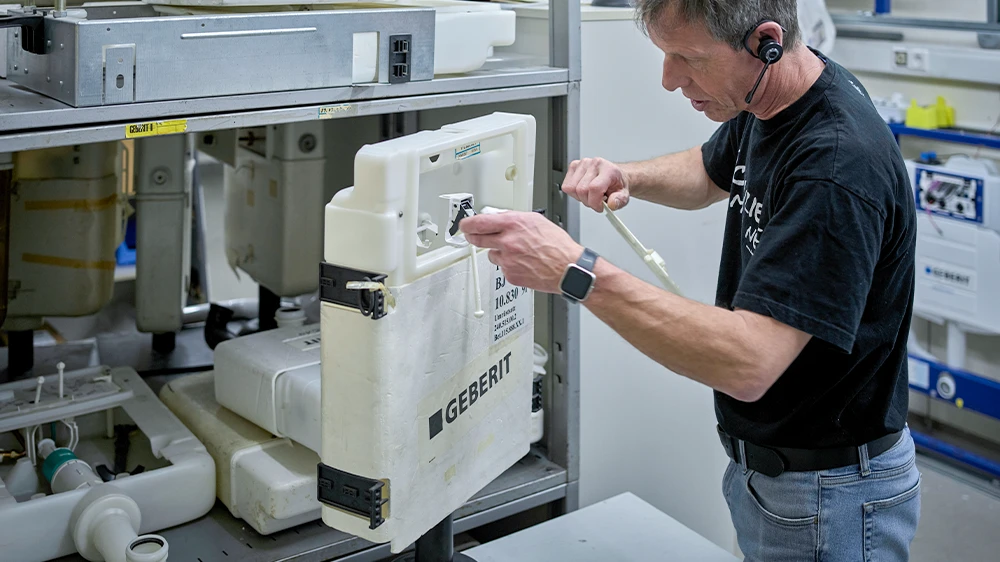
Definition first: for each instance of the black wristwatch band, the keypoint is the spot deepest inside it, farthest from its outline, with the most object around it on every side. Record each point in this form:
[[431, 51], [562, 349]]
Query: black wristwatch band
[[588, 259]]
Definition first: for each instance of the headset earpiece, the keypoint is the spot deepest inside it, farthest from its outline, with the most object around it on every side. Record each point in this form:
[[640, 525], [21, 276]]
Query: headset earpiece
[[769, 52]]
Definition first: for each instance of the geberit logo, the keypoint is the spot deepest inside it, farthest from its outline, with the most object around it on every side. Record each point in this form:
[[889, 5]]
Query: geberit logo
[[946, 275], [467, 398]]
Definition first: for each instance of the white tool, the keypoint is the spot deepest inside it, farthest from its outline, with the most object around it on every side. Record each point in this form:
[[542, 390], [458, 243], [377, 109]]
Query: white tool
[[650, 257]]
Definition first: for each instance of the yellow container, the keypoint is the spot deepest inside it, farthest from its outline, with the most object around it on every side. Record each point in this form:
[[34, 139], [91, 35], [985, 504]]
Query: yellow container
[[932, 116]]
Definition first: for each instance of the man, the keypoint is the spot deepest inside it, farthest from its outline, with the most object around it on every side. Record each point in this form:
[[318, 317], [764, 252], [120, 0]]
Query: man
[[806, 348]]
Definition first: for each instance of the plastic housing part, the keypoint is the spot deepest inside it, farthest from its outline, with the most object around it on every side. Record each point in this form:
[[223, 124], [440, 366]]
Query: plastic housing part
[[163, 231], [274, 209], [178, 487], [958, 242], [65, 224], [430, 400], [273, 380], [267, 481]]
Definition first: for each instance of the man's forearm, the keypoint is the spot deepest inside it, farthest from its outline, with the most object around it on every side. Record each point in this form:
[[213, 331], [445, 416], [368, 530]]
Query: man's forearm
[[714, 346], [676, 180]]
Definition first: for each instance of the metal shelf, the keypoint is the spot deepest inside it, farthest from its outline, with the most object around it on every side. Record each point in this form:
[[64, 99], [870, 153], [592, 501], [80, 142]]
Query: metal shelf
[[219, 537], [30, 120]]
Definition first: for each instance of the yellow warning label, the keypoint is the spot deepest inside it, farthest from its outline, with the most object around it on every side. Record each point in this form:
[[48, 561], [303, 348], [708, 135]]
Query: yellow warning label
[[154, 128], [332, 111]]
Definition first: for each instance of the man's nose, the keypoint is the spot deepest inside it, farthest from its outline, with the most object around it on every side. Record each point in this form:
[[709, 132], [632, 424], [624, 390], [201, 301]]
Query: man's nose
[[672, 78]]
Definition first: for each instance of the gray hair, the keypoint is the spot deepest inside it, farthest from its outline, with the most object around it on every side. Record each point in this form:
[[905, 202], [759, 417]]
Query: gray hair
[[726, 20]]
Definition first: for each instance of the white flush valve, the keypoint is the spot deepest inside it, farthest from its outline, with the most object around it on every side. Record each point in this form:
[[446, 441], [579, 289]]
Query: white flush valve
[[460, 206]]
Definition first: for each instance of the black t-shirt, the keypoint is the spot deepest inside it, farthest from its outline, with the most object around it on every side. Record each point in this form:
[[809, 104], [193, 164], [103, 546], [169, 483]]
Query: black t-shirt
[[820, 236]]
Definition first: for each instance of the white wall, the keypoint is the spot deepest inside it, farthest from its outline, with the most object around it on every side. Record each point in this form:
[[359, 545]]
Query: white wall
[[643, 428]]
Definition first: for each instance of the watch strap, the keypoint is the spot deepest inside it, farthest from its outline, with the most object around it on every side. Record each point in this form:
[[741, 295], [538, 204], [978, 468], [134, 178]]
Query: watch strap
[[588, 260]]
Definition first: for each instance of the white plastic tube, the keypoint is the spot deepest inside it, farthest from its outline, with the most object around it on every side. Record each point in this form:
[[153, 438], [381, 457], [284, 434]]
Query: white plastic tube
[[147, 548], [113, 534], [106, 523], [652, 259], [475, 281], [956, 346], [914, 348], [290, 316]]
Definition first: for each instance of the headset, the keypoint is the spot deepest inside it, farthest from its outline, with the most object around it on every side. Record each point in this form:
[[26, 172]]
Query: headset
[[769, 52]]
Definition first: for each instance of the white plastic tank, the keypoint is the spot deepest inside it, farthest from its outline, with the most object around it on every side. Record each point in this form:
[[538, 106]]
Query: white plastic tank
[[65, 224], [273, 210], [424, 406]]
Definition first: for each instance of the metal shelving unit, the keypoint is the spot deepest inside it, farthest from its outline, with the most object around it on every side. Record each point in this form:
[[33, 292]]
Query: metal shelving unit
[[547, 476]]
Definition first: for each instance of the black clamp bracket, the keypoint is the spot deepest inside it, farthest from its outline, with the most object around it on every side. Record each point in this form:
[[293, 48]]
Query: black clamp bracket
[[355, 494], [32, 24], [363, 290]]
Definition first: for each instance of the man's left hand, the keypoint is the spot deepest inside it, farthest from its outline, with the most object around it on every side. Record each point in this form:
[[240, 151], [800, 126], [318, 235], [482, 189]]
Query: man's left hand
[[531, 250]]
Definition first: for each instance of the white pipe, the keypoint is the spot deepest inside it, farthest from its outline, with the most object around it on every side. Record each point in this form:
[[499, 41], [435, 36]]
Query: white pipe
[[147, 548], [290, 316], [956, 346], [105, 527], [913, 347], [113, 534]]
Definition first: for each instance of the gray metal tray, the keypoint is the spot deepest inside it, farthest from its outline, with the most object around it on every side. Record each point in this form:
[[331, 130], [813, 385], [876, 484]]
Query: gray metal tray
[[125, 54]]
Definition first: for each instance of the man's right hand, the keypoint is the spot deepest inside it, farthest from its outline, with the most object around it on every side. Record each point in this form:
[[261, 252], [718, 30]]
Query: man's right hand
[[593, 181]]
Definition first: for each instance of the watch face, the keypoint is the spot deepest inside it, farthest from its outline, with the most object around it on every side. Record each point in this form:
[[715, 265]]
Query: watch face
[[577, 282]]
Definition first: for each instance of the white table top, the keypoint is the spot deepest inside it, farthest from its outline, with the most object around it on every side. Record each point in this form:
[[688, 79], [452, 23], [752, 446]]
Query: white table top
[[621, 529]]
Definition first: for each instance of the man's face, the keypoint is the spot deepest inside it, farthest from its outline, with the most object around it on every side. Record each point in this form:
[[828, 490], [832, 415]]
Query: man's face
[[710, 73]]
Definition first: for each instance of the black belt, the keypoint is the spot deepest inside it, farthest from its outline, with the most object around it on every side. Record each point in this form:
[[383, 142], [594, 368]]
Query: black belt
[[772, 461]]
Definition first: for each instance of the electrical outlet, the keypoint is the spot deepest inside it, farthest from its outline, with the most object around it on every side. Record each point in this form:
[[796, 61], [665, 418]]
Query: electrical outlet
[[900, 56], [399, 58], [919, 59]]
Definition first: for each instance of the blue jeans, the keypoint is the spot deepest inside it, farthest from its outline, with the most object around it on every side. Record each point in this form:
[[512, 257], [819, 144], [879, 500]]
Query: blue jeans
[[862, 513]]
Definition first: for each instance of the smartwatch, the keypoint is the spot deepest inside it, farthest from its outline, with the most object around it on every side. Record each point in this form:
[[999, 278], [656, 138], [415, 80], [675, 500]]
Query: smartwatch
[[578, 279]]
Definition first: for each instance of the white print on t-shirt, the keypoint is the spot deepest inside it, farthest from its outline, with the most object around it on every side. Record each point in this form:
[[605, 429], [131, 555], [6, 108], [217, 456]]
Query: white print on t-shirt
[[851, 82], [750, 208]]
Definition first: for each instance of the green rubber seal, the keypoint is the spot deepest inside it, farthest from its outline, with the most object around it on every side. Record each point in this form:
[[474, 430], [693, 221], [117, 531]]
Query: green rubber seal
[[56, 459]]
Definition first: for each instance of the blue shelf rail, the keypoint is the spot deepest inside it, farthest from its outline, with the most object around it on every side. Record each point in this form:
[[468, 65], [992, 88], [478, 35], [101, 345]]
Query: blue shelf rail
[[965, 391], [943, 448], [947, 135]]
